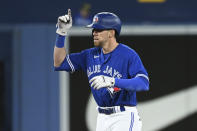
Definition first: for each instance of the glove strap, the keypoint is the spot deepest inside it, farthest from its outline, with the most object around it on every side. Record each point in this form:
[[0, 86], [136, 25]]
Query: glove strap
[[60, 41]]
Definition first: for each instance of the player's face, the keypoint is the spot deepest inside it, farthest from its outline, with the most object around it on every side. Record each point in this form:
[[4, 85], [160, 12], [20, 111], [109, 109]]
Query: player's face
[[100, 37]]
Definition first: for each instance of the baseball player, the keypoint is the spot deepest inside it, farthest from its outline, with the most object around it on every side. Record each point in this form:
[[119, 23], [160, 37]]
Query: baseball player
[[114, 70]]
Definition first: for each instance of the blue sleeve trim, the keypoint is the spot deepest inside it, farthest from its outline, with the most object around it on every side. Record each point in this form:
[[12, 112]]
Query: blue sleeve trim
[[64, 66], [70, 63], [142, 75]]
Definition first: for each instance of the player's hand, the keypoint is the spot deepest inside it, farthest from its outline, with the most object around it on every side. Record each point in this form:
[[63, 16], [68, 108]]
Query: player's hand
[[101, 81], [64, 23]]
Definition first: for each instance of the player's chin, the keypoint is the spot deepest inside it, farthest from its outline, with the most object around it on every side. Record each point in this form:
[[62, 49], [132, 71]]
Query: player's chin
[[96, 43]]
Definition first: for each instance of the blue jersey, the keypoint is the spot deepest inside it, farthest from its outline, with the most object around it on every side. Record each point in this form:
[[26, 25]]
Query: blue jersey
[[122, 63]]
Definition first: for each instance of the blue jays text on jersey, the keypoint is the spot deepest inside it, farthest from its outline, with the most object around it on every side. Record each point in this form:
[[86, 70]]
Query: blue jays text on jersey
[[109, 70], [122, 63]]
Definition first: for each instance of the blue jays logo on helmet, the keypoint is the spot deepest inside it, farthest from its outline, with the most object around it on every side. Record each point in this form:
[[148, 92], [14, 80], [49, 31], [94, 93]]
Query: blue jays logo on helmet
[[95, 19], [106, 20]]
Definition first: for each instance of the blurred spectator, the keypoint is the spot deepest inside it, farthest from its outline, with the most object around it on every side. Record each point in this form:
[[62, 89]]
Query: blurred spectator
[[83, 18]]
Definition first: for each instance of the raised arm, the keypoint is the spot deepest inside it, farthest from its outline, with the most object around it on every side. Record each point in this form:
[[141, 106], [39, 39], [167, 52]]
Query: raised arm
[[63, 25]]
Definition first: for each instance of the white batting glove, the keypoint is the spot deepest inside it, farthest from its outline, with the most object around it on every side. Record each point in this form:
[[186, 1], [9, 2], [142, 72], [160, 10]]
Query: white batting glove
[[64, 23], [101, 81]]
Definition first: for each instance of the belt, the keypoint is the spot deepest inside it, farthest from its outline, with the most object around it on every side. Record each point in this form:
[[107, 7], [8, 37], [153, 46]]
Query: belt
[[111, 110]]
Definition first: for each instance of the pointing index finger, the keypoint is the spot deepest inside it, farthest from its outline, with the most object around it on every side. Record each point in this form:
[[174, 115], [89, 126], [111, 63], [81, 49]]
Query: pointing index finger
[[69, 12]]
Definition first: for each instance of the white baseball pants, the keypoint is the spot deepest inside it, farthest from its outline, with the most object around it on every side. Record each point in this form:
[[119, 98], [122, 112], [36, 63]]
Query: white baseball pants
[[127, 120]]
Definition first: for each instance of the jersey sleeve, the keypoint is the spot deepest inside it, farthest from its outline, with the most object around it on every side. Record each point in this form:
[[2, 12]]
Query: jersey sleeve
[[73, 62], [136, 67]]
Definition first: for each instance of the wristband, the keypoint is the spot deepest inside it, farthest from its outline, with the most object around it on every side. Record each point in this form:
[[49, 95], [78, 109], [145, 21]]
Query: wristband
[[60, 41]]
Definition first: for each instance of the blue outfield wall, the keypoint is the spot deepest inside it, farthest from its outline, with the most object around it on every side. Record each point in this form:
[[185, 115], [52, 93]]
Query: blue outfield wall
[[35, 84]]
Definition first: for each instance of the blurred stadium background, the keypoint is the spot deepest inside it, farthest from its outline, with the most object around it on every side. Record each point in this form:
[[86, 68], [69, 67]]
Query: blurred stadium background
[[35, 98]]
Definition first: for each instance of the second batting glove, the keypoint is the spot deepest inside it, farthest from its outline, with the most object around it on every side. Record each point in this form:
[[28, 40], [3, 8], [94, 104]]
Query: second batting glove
[[101, 81]]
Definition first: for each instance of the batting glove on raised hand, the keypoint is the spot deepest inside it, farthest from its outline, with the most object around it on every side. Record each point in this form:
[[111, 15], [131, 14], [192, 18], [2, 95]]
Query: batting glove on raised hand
[[64, 23], [101, 81]]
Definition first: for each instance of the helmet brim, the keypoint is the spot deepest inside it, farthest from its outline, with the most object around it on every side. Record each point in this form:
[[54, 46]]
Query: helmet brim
[[95, 26], [89, 26]]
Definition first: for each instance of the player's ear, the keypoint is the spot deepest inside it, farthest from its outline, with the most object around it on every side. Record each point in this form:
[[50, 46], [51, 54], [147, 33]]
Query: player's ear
[[111, 33]]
